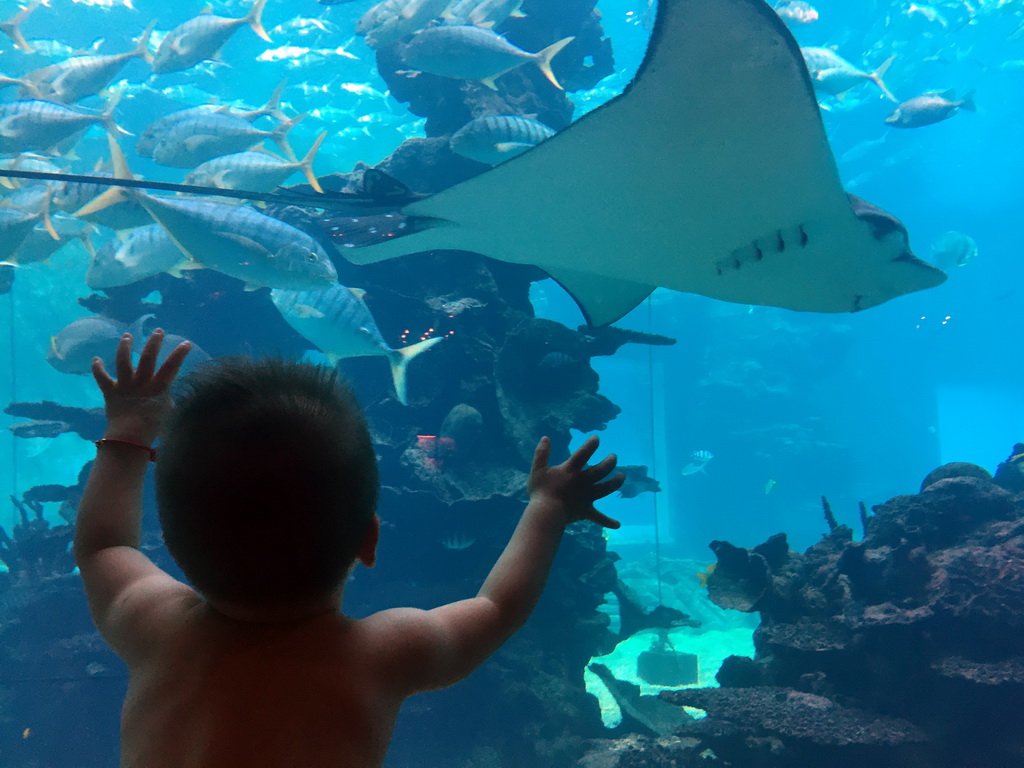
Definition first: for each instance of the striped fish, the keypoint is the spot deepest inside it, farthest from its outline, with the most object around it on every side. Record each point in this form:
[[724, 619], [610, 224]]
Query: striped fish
[[148, 138], [73, 79], [35, 124], [255, 171], [147, 251], [492, 139], [236, 240], [340, 324], [200, 38], [206, 136], [474, 53]]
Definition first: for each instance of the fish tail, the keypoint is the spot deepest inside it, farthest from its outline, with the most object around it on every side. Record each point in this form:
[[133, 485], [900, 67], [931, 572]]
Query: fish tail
[[142, 43], [44, 213], [400, 359], [306, 164], [107, 118], [273, 107], [876, 78], [543, 59], [967, 101], [113, 195], [280, 135], [255, 19], [12, 27]]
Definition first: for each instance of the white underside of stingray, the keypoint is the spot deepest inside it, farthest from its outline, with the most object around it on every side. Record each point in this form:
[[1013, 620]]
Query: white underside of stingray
[[710, 174]]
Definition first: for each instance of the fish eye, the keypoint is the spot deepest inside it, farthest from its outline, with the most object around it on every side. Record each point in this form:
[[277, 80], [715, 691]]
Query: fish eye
[[312, 257]]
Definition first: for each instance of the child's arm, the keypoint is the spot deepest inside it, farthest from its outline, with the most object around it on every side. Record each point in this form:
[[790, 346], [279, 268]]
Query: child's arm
[[440, 647], [121, 584]]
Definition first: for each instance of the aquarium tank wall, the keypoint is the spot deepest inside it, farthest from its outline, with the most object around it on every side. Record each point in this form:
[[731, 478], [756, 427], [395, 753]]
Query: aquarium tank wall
[[504, 219]]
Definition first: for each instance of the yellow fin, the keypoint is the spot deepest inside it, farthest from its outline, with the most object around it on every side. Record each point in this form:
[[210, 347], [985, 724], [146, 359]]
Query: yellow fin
[[543, 59], [306, 311]]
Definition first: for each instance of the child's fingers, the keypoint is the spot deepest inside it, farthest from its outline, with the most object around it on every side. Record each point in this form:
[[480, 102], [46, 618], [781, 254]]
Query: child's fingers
[[103, 380], [579, 459], [123, 359], [603, 467], [607, 522], [541, 454], [147, 358], [172, 364], [609, 486]]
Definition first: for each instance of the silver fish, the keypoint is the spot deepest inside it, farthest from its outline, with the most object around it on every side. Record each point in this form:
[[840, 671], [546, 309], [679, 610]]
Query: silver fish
[[339, 323], [255, 171], [235, 240], [76, 344], [954, 249], [145, 252], [238, 241], [472, 53], [154, 131], [391, 20], [493, 139], [698, 460], [200, 38], [205, 136], [17, 223], [929, 108], [40, 245], [73, 79], [831, 73], [35, 124]]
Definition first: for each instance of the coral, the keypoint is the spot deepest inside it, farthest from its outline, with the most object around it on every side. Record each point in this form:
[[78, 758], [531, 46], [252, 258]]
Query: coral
[[906, 648]]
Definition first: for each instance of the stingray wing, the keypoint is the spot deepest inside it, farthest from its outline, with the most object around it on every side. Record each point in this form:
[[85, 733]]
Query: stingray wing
[[711, 173]]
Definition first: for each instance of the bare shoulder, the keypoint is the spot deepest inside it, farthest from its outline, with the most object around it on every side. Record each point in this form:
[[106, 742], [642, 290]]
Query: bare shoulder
[[423, 650]]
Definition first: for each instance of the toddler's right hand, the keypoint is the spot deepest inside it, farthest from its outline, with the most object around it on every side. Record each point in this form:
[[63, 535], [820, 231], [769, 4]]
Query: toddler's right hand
[[573, 485]]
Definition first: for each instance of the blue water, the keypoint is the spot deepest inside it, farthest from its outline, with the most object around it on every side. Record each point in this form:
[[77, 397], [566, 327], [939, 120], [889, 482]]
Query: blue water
[[792, 406]]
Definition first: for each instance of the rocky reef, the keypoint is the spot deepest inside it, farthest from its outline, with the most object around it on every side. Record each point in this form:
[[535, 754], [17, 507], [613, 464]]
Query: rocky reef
[[903, 648]]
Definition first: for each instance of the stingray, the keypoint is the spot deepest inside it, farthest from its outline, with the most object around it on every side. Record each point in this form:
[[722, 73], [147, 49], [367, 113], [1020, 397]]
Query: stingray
[[711, 174]]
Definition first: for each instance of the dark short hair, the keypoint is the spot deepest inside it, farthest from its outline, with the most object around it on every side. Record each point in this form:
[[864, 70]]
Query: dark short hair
[[266, 479]]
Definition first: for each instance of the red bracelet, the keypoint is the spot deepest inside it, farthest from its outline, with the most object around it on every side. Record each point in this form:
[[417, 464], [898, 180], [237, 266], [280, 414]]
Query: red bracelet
[[106, 440]]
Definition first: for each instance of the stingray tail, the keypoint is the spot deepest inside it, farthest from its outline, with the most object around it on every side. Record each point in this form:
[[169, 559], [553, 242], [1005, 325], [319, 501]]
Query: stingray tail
[[543, 59], [12, 27], [400, 359], [306, 164], [255, 19], [876, 78]]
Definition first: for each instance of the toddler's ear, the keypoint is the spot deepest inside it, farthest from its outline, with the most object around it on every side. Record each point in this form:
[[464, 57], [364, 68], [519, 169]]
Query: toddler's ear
[[368, 549]]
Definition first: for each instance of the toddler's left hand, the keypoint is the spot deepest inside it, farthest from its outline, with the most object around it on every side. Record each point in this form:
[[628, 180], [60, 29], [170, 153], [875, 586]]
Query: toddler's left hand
[[138, 400]]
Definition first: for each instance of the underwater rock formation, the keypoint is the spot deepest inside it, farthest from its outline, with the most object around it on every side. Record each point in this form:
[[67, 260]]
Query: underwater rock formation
[[905, 648]]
